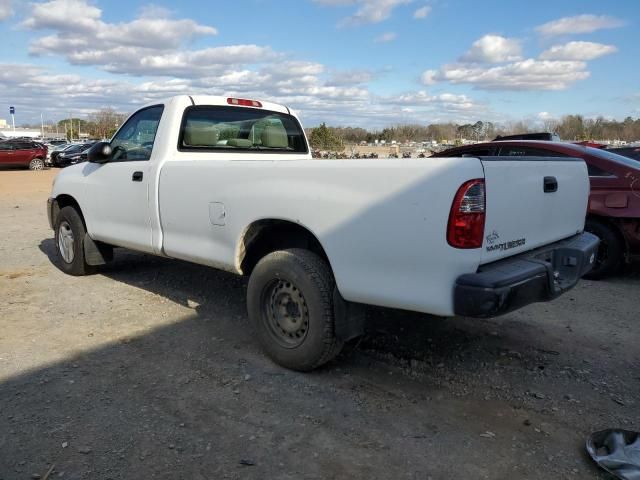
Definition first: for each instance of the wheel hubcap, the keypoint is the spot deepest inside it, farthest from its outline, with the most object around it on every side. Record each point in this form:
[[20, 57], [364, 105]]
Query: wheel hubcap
[[286, 313], [37, 165], [65, 241]]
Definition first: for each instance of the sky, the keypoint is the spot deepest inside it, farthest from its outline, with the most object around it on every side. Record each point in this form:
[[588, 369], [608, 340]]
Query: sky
[[366, 63]]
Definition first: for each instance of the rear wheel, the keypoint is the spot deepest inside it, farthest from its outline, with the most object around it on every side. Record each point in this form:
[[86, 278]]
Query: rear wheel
[[290, 304], [610, 251], [36, 164], [69, 240]]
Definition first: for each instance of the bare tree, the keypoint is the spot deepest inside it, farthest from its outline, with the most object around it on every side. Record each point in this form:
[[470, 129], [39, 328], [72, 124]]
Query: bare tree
[[106, 122]]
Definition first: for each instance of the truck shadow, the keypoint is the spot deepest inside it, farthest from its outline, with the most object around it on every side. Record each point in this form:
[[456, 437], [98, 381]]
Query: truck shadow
[[185, 400], [391, 335]]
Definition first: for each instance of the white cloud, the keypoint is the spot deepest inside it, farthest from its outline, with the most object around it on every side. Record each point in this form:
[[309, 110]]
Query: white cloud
[[162, 54], [5, 9], [527, 74], [585, 23], [368, 11], [429, 77], [386, 37], [577, 51], [493, 49], [422, 98], [350, 77], [74, 29], [314, 98], [557, 68], [68, 15], [152, 44], [422, 12]]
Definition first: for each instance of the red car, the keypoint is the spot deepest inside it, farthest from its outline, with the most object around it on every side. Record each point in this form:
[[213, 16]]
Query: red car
[[614, 204], [22, 153]]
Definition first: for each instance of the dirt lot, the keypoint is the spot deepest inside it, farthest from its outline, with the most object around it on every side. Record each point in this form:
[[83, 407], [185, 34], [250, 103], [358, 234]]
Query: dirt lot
[[149, 370]]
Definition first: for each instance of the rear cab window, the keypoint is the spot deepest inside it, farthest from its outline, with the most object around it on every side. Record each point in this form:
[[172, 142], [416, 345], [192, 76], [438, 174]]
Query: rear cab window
[[238, 129]]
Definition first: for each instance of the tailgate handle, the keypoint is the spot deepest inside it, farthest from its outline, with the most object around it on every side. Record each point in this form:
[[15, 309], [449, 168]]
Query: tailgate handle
[[550, 184]]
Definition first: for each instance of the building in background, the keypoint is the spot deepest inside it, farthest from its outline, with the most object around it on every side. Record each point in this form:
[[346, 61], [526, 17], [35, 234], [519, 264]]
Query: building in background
[[7, 132]]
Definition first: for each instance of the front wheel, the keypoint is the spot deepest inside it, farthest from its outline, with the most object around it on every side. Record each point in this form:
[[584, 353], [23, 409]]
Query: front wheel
[[69, 240], [290, 304], [36, 164]]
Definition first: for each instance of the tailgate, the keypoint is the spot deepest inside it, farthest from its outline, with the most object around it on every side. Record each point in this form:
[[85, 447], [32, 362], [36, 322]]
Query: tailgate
[[524, 210]]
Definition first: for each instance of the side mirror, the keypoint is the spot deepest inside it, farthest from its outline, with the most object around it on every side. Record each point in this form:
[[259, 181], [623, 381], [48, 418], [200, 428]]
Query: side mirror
[[100, 153]]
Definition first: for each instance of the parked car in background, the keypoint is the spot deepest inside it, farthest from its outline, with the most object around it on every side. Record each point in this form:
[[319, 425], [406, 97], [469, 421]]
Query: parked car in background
[[53, 154], [55, 150], [631, 152], [71, 155], [614, 203], [23, 153]]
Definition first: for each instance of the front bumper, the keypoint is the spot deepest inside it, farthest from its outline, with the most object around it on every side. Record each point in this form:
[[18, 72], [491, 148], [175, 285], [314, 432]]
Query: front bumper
[[536, 276]]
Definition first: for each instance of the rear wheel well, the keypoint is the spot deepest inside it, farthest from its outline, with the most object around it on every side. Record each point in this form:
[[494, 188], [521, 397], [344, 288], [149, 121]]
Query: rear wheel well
[[266, 236]]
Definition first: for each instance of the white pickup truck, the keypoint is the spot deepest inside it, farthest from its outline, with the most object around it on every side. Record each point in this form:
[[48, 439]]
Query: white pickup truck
[[230, 183]]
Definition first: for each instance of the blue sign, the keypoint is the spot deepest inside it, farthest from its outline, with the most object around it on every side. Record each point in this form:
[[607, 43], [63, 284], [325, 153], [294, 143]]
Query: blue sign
[[12, 110]]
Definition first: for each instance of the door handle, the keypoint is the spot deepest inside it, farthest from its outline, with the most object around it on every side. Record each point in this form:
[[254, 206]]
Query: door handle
[[136, 177], [550, 184]]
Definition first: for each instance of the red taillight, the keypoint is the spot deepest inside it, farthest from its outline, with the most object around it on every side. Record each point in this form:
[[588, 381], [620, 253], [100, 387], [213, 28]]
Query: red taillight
[[244, 102], [466, 219]]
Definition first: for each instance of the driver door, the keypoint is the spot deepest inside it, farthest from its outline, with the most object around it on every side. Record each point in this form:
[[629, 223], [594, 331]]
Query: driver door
[[117, 192]]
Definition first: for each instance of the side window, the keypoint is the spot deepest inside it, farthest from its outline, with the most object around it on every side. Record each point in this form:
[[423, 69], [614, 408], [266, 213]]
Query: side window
[[5, 146], [517, 151], [597, 171], [221, 128], [478, 152], [134, 141], [21, 146], [468, 152]]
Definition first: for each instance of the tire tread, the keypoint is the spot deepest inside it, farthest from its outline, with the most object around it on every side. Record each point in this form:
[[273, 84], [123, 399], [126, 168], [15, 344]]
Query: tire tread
[[320, 276]]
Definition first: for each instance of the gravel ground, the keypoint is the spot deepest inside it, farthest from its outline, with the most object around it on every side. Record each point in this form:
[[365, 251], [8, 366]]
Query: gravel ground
[[149, 370]]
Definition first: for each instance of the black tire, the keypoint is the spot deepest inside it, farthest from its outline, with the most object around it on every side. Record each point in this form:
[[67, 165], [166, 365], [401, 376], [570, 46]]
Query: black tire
[[610, 252], [70, 232], [36, 164], [290, 304]]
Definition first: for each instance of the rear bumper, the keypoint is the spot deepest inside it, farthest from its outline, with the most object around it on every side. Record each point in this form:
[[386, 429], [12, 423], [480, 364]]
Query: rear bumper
[[536, 276]]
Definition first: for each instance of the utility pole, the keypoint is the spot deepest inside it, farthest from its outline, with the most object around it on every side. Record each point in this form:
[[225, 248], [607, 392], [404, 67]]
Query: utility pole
[[12, 111], [42, 126]]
